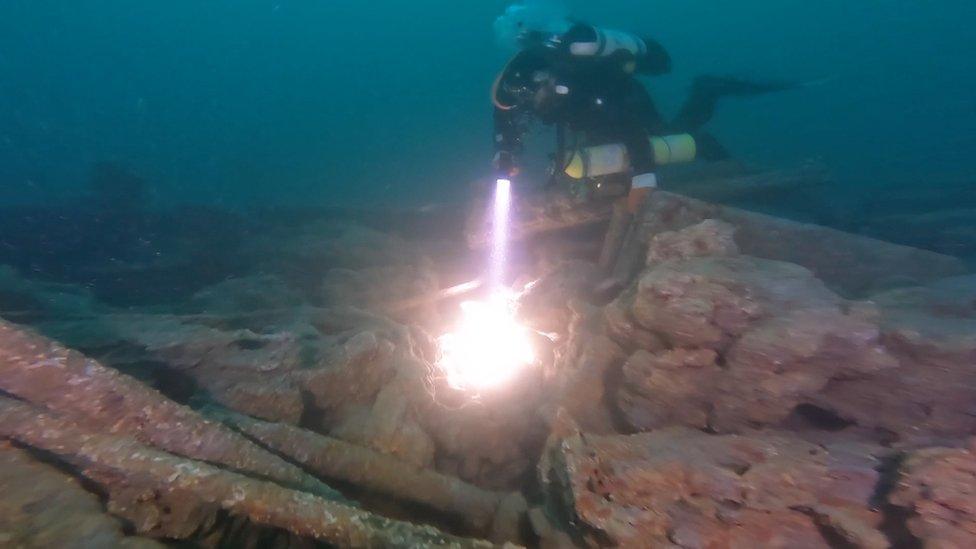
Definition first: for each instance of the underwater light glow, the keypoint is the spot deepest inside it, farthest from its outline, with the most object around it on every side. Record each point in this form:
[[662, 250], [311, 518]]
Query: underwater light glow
[[499, 241], [489, 346]]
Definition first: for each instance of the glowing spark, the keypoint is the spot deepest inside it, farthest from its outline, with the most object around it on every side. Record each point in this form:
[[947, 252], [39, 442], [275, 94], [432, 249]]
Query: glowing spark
[[489, 346]]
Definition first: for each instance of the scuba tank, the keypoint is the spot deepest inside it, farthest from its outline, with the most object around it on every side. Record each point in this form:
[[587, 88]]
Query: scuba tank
[[610, 159], [635, 53]]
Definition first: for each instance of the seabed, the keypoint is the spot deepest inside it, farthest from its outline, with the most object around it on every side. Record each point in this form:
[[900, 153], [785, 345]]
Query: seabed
[[204, 378]]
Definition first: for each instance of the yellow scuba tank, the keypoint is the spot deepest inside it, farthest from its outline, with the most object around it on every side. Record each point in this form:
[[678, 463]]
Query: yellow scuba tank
[[610, 159]]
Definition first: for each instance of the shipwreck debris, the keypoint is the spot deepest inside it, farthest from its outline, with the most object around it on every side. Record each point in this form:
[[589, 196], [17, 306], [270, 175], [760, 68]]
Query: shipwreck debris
[[43, 372], [374, 471], [685, 488], [41, 506], [759, 382], [125, 461]]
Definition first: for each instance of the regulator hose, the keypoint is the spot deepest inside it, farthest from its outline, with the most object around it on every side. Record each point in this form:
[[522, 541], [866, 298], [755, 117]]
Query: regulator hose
[[497, 84]]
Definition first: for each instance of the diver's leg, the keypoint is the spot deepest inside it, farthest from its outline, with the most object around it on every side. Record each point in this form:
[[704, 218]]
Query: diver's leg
[[612, 242], [706, 91], [626, 211], [638, 108], [558, 158], [620, 258], [643, 183], [709, 148], [634, 122], [637, 122], [641, 155]]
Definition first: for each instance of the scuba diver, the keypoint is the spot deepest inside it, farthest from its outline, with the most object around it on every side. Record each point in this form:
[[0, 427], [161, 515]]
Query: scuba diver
[[583, 80]]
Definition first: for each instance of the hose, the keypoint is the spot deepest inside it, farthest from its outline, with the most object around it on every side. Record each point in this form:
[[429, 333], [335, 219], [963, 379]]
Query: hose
[[496, 84]]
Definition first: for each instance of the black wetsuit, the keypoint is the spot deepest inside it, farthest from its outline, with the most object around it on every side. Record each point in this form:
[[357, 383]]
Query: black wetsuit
[[596, 98], [601, 99]]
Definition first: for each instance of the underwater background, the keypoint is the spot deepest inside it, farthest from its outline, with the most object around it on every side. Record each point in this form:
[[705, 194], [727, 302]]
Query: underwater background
[[242, 102], [259, 288], [128, 129]]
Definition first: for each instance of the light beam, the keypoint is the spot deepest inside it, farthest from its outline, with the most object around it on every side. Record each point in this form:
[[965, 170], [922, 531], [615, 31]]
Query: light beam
[[489, 347], [500, 221]]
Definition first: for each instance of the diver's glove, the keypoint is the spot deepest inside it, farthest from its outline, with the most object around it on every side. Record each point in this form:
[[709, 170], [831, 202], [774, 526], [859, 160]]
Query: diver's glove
[[505, 164]]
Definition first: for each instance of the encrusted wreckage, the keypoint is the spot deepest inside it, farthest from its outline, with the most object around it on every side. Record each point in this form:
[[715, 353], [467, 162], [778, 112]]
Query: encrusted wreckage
[[743, 402], [757, 383]]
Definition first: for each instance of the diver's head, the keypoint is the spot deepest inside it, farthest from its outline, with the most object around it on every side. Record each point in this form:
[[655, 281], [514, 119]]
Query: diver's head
[[515, 88], [538, 90], [530, 22]]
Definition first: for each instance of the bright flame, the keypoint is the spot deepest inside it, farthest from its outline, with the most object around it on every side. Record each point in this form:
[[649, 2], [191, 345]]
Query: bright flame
[[489, 346]]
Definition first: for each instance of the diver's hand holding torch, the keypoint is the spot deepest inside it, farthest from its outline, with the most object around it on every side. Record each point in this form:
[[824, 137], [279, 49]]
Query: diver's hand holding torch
[[505, 165]]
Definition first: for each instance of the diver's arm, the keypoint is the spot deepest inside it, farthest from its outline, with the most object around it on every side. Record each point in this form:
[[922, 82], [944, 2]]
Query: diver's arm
[[508, 141], [511, 111]]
